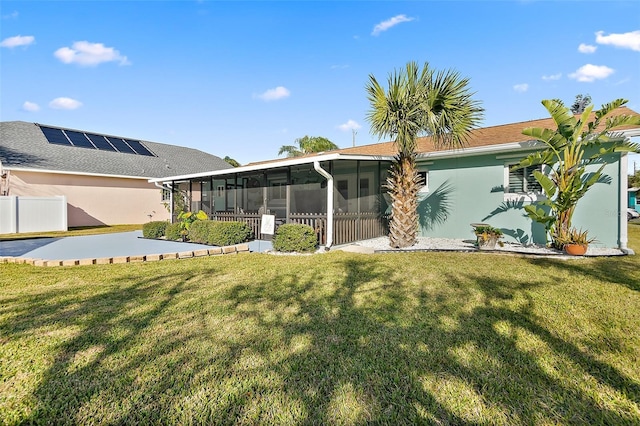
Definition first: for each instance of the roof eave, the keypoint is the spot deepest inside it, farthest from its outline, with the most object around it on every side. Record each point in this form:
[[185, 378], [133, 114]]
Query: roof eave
[[274, 165], [68, 172]]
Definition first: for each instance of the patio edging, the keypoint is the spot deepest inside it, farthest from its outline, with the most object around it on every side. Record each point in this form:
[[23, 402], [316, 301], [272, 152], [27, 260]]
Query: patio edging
[[214, 251]]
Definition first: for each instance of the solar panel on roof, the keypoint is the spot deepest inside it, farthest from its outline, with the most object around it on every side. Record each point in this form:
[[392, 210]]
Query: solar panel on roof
[[79, 139], [100, 142], [55, 136], [120, 145], [139, 148], [93, 141]]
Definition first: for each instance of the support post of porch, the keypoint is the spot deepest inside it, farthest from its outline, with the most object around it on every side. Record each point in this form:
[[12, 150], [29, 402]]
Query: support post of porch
[[327, 175]]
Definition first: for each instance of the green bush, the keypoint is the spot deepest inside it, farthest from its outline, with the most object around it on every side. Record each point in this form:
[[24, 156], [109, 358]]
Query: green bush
[[296, 237], [173, 231], [228, 233], [155, 229], [199, 231]]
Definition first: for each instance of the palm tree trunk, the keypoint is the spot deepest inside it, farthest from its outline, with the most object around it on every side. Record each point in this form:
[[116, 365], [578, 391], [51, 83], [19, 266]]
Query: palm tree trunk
[[403, 184]]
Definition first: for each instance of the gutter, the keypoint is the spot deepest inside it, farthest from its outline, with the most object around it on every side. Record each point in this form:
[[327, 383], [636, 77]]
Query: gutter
[[327, 175]]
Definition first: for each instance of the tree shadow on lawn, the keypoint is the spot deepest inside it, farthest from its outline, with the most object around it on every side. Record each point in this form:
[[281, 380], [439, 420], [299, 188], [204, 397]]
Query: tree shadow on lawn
[[95, 374], [622, 270], [392, 360], [297, 345]]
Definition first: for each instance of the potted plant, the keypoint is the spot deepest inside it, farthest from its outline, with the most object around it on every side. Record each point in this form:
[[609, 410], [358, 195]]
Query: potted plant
[[575, 241], [487, 236]]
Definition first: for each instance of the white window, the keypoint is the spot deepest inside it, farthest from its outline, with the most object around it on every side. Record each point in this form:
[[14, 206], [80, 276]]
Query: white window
[[166, 195], [521, 181], [424, 180]]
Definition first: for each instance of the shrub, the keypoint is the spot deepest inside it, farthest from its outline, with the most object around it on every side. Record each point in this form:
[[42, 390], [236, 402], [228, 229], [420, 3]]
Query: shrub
[[296, 237], [228, 233], [155, 229], [199, 231], [173, 231]]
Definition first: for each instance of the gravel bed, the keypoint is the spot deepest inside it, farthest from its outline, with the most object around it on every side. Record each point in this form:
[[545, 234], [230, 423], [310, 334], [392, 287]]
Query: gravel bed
[[381, 244]]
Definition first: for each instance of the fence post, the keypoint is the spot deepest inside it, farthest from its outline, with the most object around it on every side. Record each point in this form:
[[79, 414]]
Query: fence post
[[8, 214]]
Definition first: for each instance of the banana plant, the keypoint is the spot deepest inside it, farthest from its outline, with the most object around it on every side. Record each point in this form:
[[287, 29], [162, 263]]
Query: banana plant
[[578, 142]]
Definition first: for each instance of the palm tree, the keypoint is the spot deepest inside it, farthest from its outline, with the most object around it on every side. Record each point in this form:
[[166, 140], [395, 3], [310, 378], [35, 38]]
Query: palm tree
[[438, 104], [307, 145]]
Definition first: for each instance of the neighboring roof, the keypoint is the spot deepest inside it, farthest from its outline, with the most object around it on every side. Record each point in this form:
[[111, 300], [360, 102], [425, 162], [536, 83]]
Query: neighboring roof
[[634, 189], [24, 146]]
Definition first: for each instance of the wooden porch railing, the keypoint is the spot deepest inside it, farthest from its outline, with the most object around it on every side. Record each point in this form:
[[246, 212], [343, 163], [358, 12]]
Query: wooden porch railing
[[347, 227]]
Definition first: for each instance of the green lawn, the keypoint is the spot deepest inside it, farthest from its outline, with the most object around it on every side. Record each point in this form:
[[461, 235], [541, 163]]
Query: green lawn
[[337, 338], [73, 232]]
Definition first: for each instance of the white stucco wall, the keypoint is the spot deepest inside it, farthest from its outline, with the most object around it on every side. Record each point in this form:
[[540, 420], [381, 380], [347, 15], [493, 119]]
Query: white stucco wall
[[95, 200]]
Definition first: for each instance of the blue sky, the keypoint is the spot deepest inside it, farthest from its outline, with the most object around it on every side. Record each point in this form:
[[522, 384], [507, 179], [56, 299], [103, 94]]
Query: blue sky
[[244, 78]]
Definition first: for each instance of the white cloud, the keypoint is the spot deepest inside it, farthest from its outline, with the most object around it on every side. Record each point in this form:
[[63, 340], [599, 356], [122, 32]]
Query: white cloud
[[16, 41], [391, 22], [30, 106], [279, 92], [521, 88], [89, 54], [12, 15], [349, 125], [630, 40], [589, 73], [552, 77], [339, 67], [65, 103], [586, 48]]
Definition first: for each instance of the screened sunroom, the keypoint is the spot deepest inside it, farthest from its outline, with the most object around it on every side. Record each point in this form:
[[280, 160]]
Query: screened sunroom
[[340, 196]]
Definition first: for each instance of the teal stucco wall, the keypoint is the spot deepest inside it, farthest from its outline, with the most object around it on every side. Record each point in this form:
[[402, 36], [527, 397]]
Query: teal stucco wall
[[470, 189]]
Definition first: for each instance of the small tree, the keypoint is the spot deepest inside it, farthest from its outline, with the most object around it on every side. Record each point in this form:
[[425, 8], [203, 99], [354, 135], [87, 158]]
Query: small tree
[[634, 180], [580, 103], [575, 144], [307, 145], [231, 161]]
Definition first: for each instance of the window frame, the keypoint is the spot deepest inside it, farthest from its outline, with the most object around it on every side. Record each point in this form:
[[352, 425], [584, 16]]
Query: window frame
[[526, 195], [425, 183]]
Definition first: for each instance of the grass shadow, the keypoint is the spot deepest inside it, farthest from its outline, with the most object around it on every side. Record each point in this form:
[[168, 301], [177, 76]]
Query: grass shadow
[[334, 339]]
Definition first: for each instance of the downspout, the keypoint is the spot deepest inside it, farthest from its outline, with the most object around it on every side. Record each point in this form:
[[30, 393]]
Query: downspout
[[324, 173], [622, 216]]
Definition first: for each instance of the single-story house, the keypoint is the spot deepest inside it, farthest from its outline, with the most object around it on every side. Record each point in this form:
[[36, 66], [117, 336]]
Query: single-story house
[[104, 178], [341, 192]]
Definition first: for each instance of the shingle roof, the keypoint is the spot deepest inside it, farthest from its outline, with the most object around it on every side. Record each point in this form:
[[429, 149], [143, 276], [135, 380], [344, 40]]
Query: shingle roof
[[23, 145], [495, 135], [486, 136]]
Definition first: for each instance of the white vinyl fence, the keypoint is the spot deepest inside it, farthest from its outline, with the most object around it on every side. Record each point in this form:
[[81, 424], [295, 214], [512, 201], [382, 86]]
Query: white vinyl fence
[[32, 214]]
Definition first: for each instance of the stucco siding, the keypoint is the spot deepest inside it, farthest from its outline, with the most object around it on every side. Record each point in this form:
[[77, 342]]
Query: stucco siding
[[95, 200], [468, 190]]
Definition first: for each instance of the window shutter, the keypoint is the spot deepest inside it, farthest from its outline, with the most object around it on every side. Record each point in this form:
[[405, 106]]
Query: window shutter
[[532, 184], [516, 181]]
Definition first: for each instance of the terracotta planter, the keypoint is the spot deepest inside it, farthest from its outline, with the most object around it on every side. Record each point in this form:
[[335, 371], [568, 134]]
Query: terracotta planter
[[575, 249]]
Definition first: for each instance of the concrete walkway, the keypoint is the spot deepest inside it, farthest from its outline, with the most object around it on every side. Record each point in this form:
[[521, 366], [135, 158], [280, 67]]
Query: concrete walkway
[[93, 246]]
